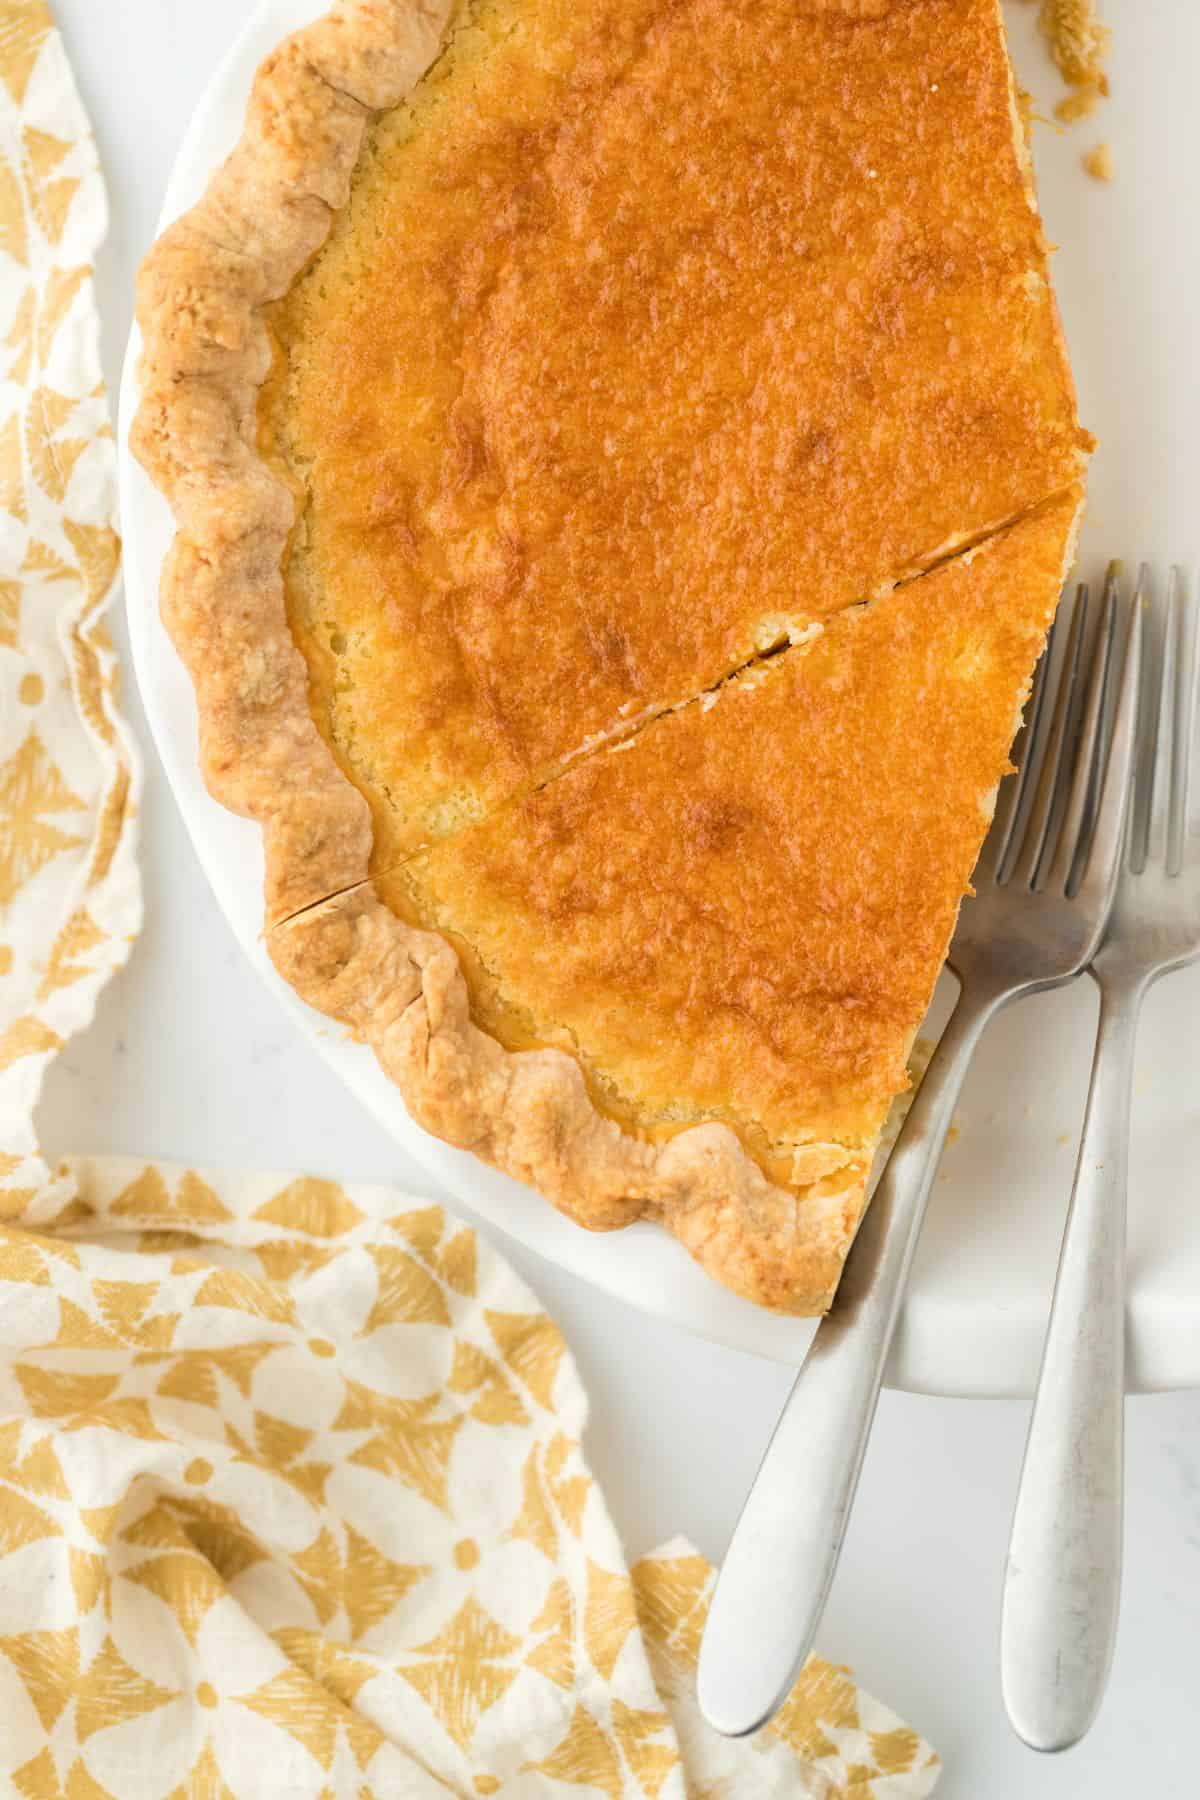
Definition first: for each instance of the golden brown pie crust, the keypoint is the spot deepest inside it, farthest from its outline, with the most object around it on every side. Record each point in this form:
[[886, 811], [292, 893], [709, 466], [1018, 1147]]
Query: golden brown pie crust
[[204, 295]]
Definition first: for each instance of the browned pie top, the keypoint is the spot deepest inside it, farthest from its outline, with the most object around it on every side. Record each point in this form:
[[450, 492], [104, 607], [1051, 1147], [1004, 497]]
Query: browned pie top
[[740, 913], [654, 330]]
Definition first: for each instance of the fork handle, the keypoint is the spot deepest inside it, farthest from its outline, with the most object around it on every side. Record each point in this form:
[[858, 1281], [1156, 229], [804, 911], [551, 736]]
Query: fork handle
[[781, 1561], [1062, 1582]]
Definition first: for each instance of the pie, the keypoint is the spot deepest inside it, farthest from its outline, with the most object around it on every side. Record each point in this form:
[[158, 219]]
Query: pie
[[625, 462]]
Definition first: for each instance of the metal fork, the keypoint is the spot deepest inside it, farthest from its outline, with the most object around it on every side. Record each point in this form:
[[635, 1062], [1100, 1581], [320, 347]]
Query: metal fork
[[1063, 1578], [1033, 923]]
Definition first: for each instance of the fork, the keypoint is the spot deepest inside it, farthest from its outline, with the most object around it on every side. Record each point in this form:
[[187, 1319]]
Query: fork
[[1034, 923], [1063, 1576]]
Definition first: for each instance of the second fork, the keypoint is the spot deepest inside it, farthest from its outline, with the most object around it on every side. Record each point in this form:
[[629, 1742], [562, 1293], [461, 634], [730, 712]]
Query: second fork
[[1063, 1578]]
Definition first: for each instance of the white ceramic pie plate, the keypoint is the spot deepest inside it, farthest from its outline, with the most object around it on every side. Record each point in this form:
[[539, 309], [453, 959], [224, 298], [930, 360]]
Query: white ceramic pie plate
[[1128, 275]]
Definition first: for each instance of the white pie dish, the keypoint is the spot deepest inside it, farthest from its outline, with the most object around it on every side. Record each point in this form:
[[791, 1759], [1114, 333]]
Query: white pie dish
[[973, 1320]]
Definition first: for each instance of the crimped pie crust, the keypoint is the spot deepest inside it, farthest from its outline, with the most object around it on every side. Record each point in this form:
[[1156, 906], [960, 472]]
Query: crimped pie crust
[[207, 352]]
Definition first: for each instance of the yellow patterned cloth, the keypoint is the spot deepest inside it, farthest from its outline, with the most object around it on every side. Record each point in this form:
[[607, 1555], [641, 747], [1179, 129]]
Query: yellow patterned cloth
[[292, 1493]]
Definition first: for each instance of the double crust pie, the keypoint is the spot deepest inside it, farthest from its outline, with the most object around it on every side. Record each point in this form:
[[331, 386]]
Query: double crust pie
[[625, 462]]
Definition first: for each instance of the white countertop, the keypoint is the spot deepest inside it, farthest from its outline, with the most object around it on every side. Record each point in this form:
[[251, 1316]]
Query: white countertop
[[191, 1059]]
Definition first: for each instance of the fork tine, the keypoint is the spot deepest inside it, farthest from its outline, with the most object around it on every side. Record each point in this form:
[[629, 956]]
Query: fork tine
[[1147, 728], [1040, 824], [1015, 787], [1112, 607], [1099, 876], [1185, 812], [1085, 781], [1161, 793]]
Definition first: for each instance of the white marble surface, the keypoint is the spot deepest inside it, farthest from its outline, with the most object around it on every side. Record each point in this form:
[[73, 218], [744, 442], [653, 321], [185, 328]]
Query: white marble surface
[[191, 1059]]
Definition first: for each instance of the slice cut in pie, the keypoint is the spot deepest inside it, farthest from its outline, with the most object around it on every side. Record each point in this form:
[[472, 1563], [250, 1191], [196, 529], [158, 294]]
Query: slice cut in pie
[[625, 462], [728, 927]]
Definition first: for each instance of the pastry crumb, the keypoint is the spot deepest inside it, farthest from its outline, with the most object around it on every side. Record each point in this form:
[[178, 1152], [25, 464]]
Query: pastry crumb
[[1081, 103], [1079, 42], [1099, 163]]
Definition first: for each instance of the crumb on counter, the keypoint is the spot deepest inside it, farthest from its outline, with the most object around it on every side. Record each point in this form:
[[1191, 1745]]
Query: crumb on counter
[[1079, 42], [1080, 103], [1099, 163]]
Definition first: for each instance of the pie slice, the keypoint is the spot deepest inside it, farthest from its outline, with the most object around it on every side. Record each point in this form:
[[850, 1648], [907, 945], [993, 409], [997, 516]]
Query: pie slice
[[624, 459], [728, 927]]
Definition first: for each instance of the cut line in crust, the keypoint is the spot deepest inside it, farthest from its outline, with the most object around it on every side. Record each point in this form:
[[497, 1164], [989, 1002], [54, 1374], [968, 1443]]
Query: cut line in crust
[[620, 737]]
